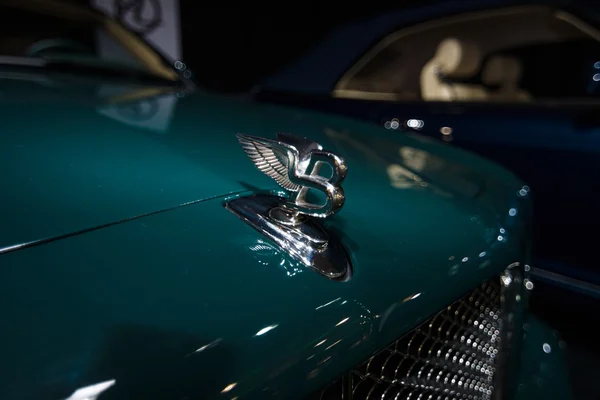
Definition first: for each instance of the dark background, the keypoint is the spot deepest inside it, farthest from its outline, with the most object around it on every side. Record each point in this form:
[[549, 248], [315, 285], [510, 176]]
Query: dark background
[[232, 47]]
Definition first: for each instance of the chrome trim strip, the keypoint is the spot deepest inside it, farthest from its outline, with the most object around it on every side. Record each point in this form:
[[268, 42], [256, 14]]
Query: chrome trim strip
[[566, 280], [512, 293]]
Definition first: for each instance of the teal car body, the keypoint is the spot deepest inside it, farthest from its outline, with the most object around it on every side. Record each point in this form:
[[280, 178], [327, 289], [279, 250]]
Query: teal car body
[[119, 261]]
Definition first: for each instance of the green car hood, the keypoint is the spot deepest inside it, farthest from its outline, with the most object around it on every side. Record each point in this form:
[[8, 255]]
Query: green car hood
[[121, 263]]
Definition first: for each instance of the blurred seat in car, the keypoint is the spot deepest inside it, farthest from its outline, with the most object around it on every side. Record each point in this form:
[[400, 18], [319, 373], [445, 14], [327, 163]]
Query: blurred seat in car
[[504, 73], [454, 59]]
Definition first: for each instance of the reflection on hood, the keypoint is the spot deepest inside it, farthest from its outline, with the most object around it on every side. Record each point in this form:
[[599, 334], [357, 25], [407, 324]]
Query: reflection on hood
[[410, 167]]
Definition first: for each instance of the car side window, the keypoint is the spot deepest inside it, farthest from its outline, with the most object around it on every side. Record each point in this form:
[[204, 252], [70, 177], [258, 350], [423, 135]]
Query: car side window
[[526, 54], [558, 71]]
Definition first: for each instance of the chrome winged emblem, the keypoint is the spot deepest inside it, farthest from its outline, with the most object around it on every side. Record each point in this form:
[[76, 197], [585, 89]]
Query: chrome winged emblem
[[295, 164], [293, 223]]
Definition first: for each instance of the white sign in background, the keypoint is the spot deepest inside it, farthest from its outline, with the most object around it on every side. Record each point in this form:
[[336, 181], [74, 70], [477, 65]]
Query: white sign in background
[[158, 22]]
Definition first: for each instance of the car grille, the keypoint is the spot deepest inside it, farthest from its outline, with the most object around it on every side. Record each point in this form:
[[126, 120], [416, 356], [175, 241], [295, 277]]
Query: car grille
[[453, 355]]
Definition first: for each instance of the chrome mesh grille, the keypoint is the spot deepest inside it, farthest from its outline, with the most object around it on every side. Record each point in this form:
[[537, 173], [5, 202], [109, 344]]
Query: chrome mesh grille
[[453, 355]]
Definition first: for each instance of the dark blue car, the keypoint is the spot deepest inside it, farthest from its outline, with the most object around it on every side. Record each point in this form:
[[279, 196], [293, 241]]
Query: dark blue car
[[516, 82]]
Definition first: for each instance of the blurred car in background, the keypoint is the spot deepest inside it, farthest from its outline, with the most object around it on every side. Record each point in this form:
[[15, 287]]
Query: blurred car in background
[[59, 43], [518, 82], [76, 35]]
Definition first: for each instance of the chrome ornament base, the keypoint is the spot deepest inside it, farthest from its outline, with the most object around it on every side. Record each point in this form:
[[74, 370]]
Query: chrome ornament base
[[300, 236]]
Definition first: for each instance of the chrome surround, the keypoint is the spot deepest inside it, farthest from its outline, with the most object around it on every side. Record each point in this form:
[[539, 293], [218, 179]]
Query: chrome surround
[[512, 281], [305, 240]]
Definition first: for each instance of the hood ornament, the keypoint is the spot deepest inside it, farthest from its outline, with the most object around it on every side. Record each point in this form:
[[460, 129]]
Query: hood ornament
[[295, 163], [312, 177]]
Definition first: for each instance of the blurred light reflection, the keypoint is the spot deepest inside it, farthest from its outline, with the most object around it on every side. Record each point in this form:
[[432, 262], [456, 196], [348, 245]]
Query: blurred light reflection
[[229, 387], [327, 304], [266, 329], [411, 297]]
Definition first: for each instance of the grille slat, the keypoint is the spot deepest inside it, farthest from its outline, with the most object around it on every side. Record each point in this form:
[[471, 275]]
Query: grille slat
[[451, 356]]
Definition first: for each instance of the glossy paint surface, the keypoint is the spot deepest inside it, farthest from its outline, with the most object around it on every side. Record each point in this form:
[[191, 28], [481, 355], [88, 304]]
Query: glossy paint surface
[[543, 372], [190, 302]]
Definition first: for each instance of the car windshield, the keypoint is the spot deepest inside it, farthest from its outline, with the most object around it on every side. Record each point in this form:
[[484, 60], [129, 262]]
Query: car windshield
[[75, 34]]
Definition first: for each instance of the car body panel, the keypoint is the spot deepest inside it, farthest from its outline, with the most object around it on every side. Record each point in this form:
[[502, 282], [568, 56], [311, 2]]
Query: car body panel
[[136, 301], [90, 168], [543, 373], [172, 295], [97, 170]]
